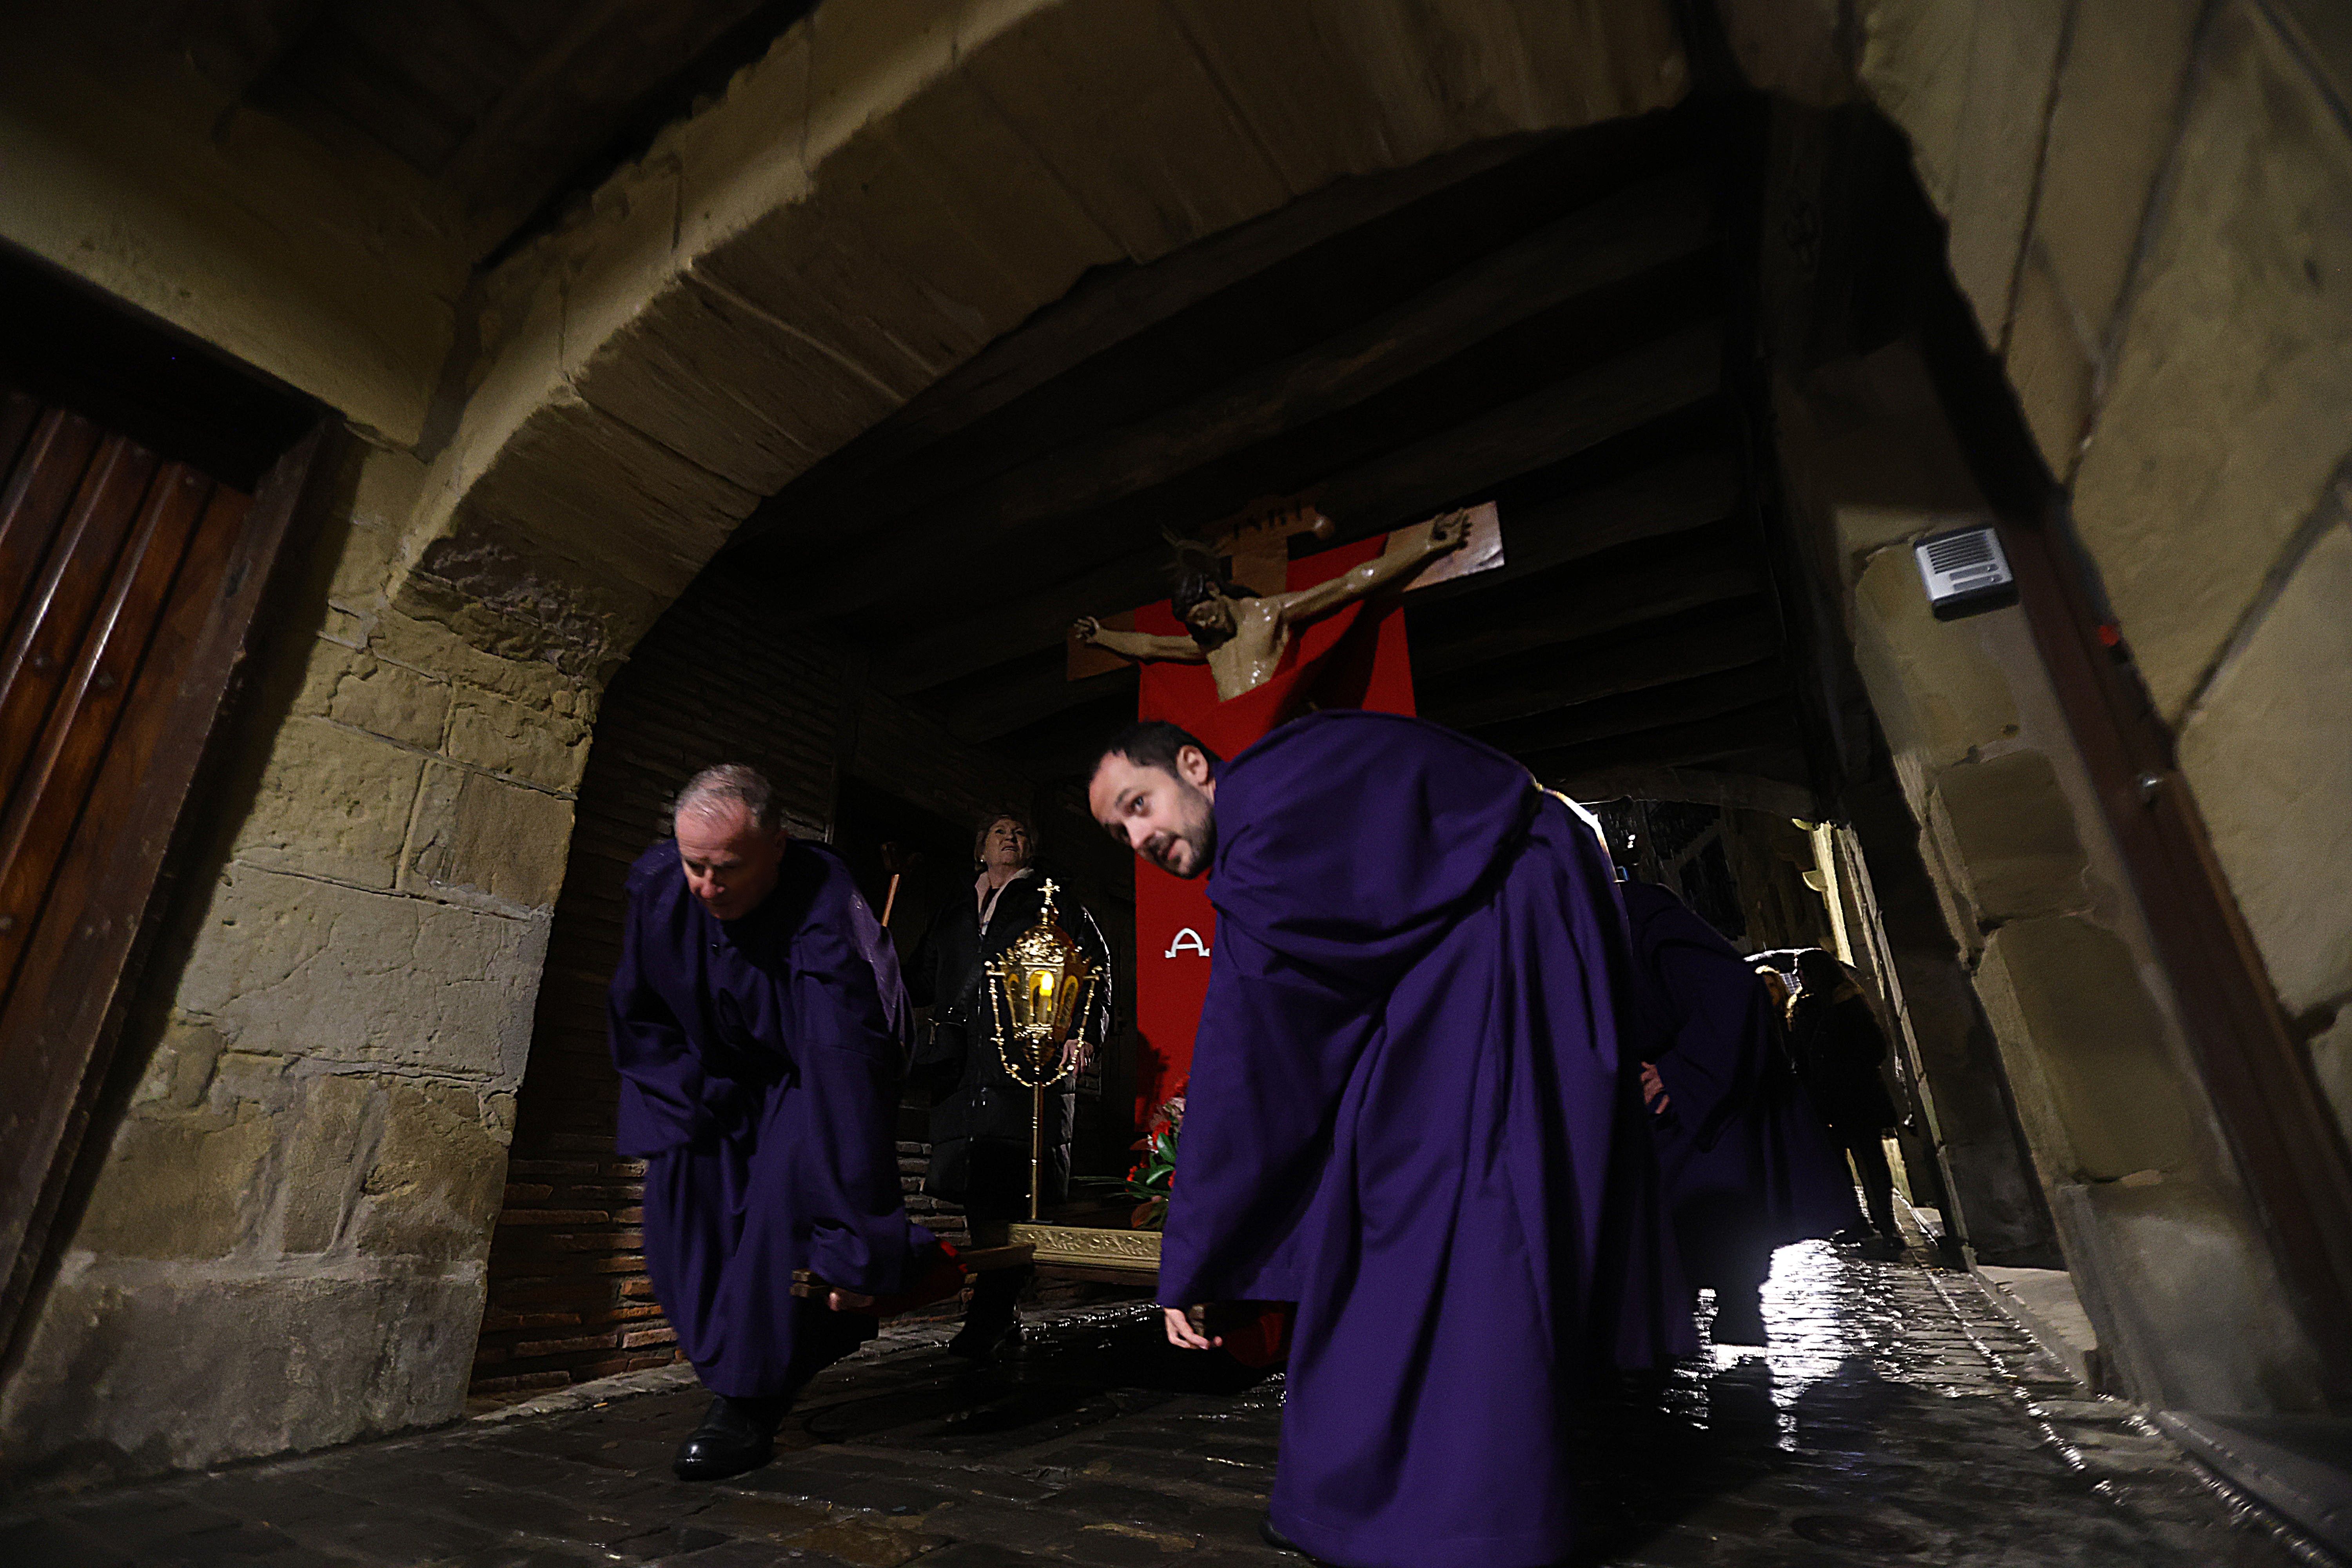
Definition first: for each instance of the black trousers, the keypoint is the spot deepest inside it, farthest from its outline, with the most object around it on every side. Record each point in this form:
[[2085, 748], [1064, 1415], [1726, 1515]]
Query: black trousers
[[997, 1200], [1868, 1148]]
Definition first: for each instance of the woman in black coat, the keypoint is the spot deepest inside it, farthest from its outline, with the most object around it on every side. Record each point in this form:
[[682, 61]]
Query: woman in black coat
[[980, 1117], [1837, 1045]]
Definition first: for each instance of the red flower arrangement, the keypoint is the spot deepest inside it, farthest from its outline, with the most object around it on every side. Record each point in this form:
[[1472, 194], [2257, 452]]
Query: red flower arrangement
[[1152, 1180]]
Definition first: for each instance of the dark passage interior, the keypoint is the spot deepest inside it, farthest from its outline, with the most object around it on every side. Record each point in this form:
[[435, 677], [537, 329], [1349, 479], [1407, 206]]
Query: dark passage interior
[[1567, 326]]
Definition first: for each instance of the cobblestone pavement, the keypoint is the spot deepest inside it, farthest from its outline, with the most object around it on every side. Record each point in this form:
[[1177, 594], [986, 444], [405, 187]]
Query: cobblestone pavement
[[1898, 1419]]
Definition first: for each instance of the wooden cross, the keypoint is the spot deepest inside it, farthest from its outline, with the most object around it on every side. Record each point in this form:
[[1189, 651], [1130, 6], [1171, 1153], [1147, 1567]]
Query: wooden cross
[[1257, 545]]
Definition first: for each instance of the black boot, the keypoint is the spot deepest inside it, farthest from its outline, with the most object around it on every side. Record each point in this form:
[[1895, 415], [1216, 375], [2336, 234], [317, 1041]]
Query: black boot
[[1738, 1318], [736, 1436], [992, 1324]]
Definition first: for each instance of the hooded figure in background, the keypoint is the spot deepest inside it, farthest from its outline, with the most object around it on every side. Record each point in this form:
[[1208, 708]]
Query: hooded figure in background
[[1748, 1168], [981, 1116], [757, 1023], [1412, 1112], [1838, 1047]]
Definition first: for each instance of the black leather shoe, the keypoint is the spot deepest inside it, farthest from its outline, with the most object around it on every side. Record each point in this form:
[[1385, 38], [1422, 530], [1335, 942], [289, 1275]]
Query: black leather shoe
[[1738, 1323], [738, 1434], [983, 1342]]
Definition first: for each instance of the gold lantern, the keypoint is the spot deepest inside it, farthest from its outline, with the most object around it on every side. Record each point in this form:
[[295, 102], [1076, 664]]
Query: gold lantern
[[1038, 993]]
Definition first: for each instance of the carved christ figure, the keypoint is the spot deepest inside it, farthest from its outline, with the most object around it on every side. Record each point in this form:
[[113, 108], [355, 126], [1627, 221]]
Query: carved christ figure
[[1242, 636]]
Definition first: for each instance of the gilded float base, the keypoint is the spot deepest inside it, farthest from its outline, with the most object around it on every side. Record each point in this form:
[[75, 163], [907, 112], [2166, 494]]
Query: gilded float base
[[1123, 1256]]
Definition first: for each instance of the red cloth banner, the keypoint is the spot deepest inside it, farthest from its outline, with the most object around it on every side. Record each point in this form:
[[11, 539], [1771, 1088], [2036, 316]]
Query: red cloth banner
[[1350, 659]]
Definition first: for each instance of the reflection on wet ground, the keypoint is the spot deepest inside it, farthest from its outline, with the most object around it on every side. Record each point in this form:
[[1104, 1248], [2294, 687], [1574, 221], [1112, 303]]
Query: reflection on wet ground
[[1895, 1418]]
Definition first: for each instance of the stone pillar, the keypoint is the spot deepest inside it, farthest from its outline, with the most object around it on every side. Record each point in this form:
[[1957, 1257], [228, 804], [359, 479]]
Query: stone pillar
[[279, 1237], [1994, 1205], [1991, 859]]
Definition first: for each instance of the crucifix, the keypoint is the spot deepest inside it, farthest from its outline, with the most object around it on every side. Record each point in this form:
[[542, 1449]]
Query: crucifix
[[1251, 639], [1239, 612], [1242, 633]]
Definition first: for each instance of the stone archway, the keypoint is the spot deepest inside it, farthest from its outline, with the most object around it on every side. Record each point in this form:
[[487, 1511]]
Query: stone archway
[[894, 188], [607, 389], [873, 203]]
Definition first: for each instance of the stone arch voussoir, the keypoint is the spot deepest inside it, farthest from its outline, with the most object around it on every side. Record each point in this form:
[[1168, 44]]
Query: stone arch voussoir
[[888, 190]]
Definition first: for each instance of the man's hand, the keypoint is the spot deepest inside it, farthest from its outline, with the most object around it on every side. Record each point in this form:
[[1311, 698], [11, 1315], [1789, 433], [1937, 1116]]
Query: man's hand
[[1076, 1054], [1188, 1328], [1654, 1089], [1087, 629]]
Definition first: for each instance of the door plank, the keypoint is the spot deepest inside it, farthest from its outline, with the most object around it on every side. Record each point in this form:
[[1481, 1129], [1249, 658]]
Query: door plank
[[71, 587], [39, 490], [56, 1029], [40, 818], [18, 416]]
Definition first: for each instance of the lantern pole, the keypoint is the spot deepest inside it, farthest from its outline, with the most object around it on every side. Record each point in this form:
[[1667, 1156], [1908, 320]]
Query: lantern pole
[[1037, 1152]]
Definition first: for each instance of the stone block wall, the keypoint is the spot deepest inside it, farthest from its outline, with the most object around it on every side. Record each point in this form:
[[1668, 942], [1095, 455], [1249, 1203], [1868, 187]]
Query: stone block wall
[[2036, 908], [2157, 248], [2146, 206], [283, 1238]]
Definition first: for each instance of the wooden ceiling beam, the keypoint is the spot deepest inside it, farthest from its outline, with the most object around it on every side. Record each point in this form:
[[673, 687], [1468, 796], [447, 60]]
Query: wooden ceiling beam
[[1546, 428], [895, 465], [1632, 713], [1670, 584], [1653, 503], [1770, 780], [579, 86], [1613, 241], [1587, 671], [1030, 697], [233, 46], [1199, 462], [1767, 725]]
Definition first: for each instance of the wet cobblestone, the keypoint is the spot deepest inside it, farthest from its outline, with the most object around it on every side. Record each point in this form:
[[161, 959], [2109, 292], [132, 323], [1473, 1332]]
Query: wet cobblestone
[[1897, 1418]]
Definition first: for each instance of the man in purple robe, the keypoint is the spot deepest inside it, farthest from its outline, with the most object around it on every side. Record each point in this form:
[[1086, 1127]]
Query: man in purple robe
[[1411, 1114], [756, 1022], [1748, 1168]]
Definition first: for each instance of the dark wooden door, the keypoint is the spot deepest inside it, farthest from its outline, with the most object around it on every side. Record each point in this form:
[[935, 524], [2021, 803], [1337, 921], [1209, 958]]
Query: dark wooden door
[[128, 586]]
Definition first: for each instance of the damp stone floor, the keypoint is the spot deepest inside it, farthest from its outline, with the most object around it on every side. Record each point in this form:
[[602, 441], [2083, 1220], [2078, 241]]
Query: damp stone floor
[[1897, 1418]]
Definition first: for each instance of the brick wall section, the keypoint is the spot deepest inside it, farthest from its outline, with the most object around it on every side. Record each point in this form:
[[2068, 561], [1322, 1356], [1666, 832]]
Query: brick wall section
[[900, 749]]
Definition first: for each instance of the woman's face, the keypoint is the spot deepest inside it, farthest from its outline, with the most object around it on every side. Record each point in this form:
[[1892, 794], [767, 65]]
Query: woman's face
[[1006, 847]]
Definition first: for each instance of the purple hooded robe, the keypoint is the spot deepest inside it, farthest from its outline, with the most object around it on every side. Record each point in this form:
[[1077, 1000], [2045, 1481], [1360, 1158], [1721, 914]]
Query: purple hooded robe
[[760, 1062], [1410, 1113], [1748, 1166]]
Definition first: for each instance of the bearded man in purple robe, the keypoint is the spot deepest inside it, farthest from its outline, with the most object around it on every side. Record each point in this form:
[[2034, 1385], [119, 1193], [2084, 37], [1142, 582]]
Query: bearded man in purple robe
[[758, 1024], [1747, 1165], [1412, 1113]]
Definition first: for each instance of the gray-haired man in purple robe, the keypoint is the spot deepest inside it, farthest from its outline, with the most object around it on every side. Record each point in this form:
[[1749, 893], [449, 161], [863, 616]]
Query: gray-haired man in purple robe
[[757, 1022]]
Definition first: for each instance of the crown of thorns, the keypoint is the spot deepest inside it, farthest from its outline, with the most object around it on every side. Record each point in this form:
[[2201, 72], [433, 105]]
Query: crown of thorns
[[1200, 575]]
